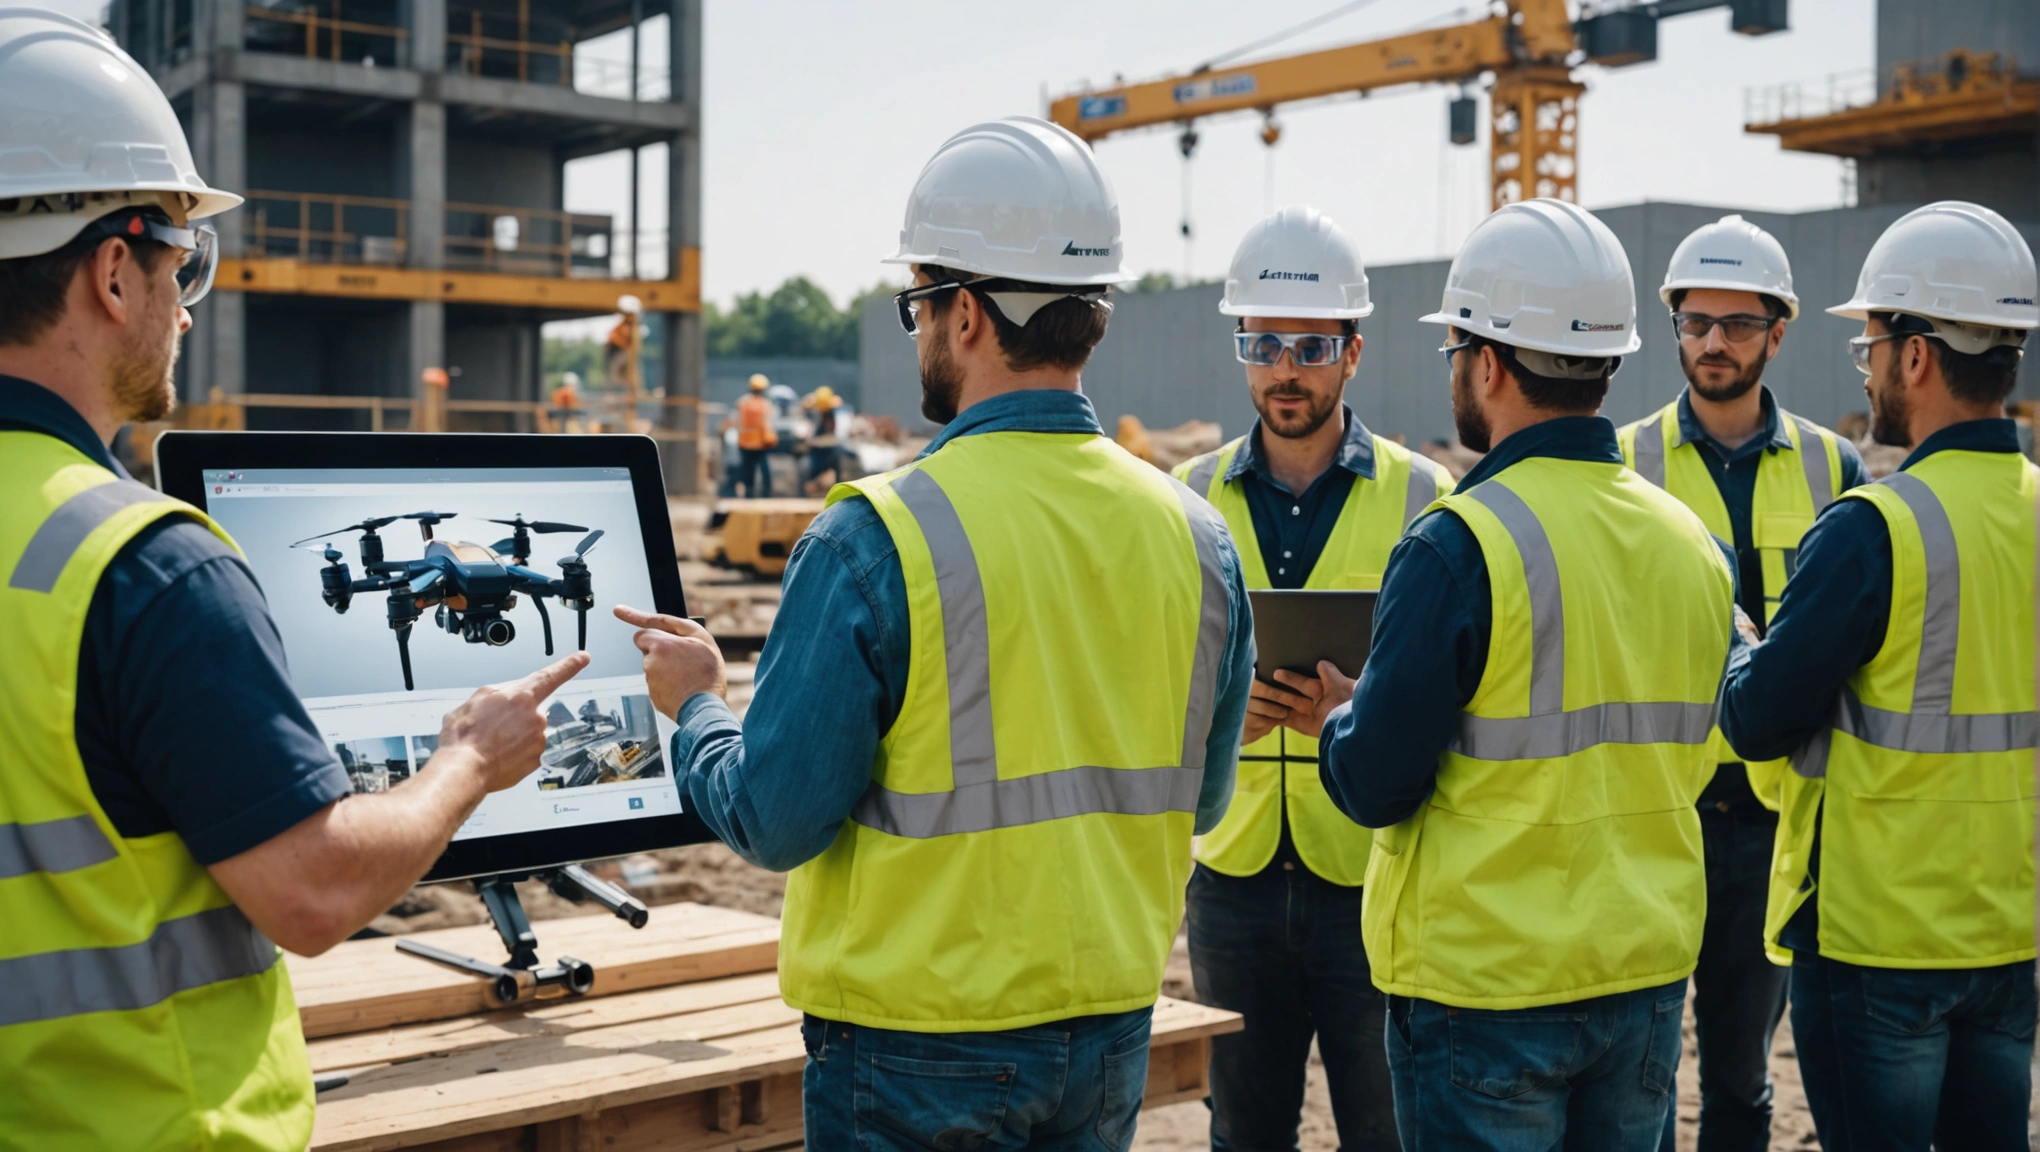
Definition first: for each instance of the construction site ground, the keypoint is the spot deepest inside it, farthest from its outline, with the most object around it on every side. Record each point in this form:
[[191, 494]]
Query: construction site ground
[[712, 874]]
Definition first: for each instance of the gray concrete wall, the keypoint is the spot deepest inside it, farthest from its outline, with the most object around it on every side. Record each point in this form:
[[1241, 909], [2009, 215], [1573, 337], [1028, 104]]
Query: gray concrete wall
[[1912, 29], [328, 348], [728, 377], [492, 172], [498, 360], [1167, 356], [358, 163]]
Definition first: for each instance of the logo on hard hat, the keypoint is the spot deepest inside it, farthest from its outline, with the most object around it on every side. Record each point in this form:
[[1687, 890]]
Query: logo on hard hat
[[1583, 326], [1270, 274], [1720, 260], [1071, 249], [2027, 300]]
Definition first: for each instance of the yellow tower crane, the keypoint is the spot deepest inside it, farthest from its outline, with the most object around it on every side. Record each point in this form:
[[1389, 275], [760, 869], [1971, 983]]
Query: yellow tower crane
[[1530, 46]]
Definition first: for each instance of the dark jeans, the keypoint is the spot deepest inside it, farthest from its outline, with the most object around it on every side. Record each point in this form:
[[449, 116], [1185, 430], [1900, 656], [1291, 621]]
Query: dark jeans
[[1895, 1058], [1283, 949], [757, 471], [1074, 1086], [1738, 995], [824, 459], [1593, 1075]]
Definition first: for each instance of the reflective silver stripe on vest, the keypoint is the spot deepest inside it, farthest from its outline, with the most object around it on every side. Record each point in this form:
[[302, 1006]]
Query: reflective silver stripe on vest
[[52, 846], [966, 639], [180, 955], [1650, 450], [980, 801], [1941, 622], [1423, 489], [1550, 731], [1203, 472], [1813, 458], [58, 538]]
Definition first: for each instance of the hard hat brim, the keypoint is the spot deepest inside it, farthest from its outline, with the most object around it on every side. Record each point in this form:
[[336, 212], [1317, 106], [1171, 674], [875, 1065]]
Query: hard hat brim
[[1860, 309], [1791, 301], [1292, 312], [979, 268], [1502, 336]]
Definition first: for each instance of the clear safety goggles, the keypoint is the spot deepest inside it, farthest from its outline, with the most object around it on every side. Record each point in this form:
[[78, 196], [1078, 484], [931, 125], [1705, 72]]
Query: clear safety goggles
[[199, 244], [1306, 349]]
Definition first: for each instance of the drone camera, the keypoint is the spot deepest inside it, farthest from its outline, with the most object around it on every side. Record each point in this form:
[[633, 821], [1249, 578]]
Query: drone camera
[[493, 631], [336, 587]]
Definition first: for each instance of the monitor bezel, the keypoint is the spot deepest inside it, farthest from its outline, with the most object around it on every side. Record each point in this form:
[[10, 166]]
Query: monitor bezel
[[182, 458]]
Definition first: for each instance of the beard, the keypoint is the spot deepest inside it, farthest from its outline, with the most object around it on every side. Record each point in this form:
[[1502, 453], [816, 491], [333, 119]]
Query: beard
[[144, 378], [1467, 417], [941, 379], [1303, 424], [1890, 414], [1738, 386]]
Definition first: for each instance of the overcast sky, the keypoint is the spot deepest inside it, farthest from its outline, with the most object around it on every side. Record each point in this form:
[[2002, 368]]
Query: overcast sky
[[819, 113]]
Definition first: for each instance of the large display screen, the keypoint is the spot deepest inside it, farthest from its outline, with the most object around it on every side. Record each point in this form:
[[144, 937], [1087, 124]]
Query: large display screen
[[399, 591]]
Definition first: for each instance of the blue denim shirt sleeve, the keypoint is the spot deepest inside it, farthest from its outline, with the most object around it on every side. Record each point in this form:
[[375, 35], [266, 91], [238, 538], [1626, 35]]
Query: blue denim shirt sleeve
[[1831, 619]]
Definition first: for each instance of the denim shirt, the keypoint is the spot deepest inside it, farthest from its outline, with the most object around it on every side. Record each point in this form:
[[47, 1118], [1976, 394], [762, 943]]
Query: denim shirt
[[778, 786]]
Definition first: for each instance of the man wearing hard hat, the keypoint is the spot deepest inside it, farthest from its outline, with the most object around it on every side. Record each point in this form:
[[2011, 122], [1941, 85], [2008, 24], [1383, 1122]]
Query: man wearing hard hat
[[1533, 726], [1898, 675], [1757, 476], [756, 438], [825, 442], [1004, 689], [167, 808], [1314, 500]]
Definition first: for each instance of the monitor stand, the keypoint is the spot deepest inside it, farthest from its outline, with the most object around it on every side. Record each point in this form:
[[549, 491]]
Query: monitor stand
[[524, 973]]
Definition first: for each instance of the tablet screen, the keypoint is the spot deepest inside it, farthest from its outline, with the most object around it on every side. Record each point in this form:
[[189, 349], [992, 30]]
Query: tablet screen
[[468, 567]]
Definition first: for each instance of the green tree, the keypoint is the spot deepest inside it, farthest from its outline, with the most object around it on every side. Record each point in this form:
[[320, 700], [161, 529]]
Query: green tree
[[795, 319]]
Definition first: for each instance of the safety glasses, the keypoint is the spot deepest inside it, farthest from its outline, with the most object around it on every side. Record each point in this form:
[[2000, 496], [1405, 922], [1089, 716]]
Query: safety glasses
[[199, 244], [1859, 348], [1306, 349], [1737, 329], [1448, 351], [909, 302]]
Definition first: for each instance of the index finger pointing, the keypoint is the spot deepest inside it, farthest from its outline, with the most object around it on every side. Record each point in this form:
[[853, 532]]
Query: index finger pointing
[[658, 621], [548, 679]]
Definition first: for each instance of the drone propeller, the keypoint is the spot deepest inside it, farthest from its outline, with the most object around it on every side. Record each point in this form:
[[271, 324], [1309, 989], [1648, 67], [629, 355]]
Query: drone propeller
[[329, 553], [540, 526], [368, 525], [581, 549], [427, 519]]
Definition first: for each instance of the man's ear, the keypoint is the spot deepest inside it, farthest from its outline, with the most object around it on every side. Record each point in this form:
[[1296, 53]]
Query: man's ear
[[111, 279]]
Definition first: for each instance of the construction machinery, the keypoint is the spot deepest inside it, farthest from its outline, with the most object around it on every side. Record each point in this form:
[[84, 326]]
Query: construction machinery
[[1529, 46], [759, 534]]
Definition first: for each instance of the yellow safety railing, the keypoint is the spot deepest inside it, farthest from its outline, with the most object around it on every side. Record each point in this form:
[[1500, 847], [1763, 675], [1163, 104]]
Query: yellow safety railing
[[530, 241], [1905, 82], [323, 34], [328, 229], [333, 229]]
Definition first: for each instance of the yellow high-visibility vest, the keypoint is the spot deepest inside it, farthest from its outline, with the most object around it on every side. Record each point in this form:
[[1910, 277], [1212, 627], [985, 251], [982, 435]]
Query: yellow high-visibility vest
[[1793, 486], [1279, 771], [139, 1009], [1558, 857], [1021, 853], [1921, 792]]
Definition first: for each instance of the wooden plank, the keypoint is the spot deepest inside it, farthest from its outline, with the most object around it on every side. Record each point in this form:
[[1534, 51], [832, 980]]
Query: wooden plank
[[367, 984]]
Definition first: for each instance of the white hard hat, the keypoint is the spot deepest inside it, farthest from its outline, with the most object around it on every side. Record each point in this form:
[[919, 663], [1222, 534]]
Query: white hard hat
[[1297, 263], [1735, 254], [629, 305], [1956, 263], [86, 132], [1020, 199], [1547, 276]]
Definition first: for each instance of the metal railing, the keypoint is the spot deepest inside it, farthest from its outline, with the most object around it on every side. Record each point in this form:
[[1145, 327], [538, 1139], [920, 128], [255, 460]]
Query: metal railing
[[322, 228], [527, 241], [1902, 83], [330, 37]]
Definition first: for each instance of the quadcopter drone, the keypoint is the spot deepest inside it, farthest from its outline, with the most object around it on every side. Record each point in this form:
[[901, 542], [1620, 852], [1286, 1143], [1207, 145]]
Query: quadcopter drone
[[469, 586]]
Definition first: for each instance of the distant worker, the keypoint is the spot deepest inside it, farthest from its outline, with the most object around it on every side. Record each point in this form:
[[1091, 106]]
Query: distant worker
[[1898, 675], [567, 397], [1314, 500], [1757, 476], [167, 808], [1004, 690], [824, 444], [756, 438], [1534, 725], [616, 363]]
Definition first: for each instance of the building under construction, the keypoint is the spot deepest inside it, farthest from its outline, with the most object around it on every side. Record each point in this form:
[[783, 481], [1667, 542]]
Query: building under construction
[[404, 165]]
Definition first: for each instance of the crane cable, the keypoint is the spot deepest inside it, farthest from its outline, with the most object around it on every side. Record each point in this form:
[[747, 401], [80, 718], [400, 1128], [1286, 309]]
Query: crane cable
[[1279, 37]]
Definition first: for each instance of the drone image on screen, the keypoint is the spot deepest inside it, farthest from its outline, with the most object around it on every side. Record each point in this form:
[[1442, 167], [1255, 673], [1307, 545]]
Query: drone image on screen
[[468, 586]]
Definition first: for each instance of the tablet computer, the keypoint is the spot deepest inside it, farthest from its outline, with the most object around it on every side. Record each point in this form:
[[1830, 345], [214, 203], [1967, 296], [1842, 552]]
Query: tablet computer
[[406, 570], [1295, 629]]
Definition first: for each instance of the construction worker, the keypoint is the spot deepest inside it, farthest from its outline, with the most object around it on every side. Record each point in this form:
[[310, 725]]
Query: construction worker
[[167, 808], [616, 364], [824, 443], [1756, 475], [1314, 500], [1533, 727], [1898, 675], [1005, 686], [756, 438]]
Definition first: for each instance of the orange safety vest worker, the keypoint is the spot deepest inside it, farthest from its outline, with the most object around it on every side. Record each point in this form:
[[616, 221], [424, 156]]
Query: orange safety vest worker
[[754, 423]]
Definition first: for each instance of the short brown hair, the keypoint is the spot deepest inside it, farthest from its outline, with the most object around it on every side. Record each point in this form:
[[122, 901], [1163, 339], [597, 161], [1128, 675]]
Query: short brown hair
[[1551, 393], [1980, 378], [33, 288], [1061, 335]]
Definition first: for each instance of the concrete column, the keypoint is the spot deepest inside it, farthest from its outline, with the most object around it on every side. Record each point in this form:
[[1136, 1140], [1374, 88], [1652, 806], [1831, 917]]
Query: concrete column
[[686, 362], [427, 343], [423, 156], [216, 345], [222, 24], [427, 22]]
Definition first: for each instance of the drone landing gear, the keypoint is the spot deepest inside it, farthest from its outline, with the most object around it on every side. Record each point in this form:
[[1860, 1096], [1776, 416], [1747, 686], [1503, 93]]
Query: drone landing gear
[[404, 651], [538, 602], [524, 973]]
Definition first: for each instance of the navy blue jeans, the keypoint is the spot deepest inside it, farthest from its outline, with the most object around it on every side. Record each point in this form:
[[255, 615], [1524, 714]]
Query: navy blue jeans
[[1074, 1086], [1738, 994], [1593, 1075], [1283, 949], [756, 467], [1897, 1058]]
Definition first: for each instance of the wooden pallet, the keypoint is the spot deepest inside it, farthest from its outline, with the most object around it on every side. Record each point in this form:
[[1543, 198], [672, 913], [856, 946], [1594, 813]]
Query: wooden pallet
[[655, 1059]]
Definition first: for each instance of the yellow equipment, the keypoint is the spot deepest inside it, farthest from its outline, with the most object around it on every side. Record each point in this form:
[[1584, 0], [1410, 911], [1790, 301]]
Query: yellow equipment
[[759, 534], [1529, 45]]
